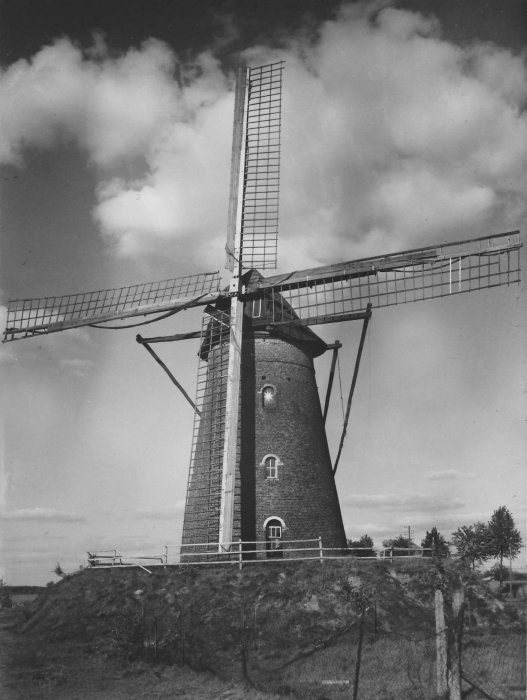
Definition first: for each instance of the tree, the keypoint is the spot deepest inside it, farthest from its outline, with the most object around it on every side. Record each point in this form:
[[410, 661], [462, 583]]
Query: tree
[[498, 572], [472, 543], [435, 540], [5, 597], [504, 540], [366, 545], [400, 542], [59, 571]]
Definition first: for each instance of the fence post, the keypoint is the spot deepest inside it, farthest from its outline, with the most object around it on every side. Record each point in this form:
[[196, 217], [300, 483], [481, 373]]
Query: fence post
[[441, 647], [240, 553], [166, 554], [320, 550], [458, 605], [182, 634], [359, 654]]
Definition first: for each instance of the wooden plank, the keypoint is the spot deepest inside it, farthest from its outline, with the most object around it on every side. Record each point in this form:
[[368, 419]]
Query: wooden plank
[[238, 138], [236, 318], [231, 426]]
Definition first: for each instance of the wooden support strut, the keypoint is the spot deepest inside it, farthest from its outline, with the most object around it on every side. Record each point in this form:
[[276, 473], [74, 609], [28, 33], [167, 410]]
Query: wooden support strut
[[234, 256], [144, 343], [353, 382], [335, 347], [169, 338]]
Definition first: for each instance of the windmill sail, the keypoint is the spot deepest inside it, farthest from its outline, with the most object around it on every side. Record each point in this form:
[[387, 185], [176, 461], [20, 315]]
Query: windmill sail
[[30, 317], [338, 292], [259, 190], [251, 241]]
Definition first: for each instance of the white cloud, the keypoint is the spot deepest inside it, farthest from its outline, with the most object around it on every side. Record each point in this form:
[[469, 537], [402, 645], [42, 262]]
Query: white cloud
[[130, 111], [76, 365], [399, 137], [41, 514], [110, 107], [412, 505], [163, 512], [392, 136], [444, 474]]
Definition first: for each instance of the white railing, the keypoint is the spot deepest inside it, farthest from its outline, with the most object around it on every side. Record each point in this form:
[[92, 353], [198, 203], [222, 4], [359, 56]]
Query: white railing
[[243, 552]]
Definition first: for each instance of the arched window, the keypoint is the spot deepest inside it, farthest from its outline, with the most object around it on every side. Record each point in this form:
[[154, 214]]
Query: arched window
[[271, 465], [269, 400], [271, 468]]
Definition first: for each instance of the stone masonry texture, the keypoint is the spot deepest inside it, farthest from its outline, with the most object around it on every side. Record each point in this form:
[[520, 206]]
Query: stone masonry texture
[[303, 495]]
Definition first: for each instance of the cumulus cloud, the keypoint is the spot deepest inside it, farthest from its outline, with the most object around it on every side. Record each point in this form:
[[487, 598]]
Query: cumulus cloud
[[400, 136], [445, 474], [392, 136], [41, 514], [163, 512], [110, 107], [143, 112], [408, 502]]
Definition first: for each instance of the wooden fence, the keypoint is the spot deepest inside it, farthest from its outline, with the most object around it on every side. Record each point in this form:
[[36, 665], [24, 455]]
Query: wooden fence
[[245, 553]]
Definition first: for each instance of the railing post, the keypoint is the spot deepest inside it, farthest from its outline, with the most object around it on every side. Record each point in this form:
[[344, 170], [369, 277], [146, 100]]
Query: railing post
[[320, 550], [166, 554], [240, 554]]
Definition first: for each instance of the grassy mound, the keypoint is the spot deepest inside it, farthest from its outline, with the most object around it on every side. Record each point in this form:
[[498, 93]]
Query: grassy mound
[[276, 626]]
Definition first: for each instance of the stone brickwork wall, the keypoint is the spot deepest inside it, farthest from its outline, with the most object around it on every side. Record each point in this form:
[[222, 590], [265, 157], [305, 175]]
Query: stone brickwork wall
[[290, 429], [303, 495]]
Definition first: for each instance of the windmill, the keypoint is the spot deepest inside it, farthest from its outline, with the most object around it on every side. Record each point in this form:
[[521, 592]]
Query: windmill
[[260, 466]]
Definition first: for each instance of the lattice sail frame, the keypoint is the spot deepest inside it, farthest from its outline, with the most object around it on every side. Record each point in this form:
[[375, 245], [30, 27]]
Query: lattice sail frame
[[202, 509], [262, 168], [338, 292], [31, 317]]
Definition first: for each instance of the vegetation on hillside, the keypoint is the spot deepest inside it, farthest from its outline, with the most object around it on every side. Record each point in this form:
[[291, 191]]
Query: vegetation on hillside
[[261, 625]]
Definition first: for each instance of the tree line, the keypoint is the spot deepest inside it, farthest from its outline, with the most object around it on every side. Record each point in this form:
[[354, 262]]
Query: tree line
[[497, 539]]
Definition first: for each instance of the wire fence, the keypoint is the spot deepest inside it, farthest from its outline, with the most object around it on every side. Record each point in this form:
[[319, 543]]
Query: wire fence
[[359, 659], [357, 652]]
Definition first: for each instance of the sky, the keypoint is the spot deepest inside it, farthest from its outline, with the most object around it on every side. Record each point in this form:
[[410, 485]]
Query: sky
[[404, 125]]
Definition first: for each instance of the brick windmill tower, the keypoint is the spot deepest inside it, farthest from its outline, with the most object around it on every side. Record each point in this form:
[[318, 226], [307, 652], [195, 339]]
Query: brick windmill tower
[[260, 467]]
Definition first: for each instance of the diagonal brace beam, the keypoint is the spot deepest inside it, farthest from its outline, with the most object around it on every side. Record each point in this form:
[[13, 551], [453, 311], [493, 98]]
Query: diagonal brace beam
[[353, 383], [160, 362], [335, 347]]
